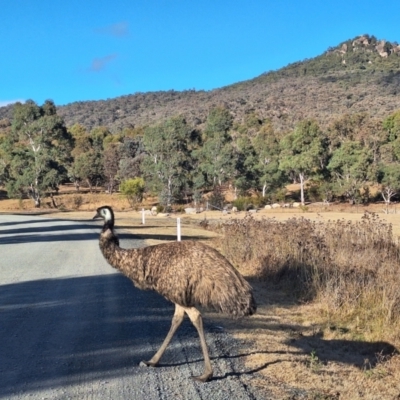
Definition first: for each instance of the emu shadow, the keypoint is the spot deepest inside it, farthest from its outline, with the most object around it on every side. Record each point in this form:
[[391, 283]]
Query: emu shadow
[[363, 355]]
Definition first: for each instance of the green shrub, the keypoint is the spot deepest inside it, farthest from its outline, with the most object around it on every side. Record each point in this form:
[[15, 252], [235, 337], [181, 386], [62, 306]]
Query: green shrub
[[133, 190], [313, 193], [242, 203], [260, 201], [279, 196]]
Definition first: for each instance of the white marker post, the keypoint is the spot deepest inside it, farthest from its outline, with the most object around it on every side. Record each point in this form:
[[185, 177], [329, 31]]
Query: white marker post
[[143, 219], [178, 228]]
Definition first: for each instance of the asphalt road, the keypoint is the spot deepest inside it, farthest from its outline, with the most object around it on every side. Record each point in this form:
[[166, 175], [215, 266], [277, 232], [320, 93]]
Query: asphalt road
[[71, 327]]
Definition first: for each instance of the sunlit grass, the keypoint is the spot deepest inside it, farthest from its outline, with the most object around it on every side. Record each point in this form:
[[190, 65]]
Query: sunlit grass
[[352, 269]]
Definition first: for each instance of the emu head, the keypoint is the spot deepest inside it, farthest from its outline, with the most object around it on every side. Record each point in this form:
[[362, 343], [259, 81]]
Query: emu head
[[107, 214]]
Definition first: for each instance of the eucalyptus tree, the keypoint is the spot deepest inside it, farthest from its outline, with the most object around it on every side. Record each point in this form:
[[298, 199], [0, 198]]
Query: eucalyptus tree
[[304, 152], [111, 159], [267, 148], [88, 162], [167, 163], [389, 178], [351, 167], [389, 166], [5, 132], [216, 161], [131, 153], [39, 150], [245, 173], [81, 145]]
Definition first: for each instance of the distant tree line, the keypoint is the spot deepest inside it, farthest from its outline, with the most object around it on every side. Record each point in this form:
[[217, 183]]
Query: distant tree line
[[174, 159]]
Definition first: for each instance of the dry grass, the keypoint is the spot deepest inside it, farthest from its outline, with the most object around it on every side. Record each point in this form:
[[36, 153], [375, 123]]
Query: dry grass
[[333, 336], [335, 323], [350, 268]]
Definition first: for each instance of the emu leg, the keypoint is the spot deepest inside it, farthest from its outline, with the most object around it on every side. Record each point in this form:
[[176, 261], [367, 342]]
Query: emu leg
[[176, 321], [197, 321]]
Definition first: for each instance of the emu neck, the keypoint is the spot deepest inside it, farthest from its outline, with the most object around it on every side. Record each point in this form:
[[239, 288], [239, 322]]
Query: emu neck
[[108, 225], [109, 244], [127, 261]]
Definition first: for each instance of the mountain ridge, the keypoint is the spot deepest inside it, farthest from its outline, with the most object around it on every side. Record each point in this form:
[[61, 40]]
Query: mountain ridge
[[360, 75]]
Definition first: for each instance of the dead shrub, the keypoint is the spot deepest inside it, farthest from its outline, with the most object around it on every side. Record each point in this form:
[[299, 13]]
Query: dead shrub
[[353, 268]]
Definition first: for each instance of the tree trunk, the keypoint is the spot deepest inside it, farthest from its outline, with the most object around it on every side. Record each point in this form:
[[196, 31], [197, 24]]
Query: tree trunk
[[53, 200], [301, 176], [264, 189], [169, 201], [90, 185], [34, 195]]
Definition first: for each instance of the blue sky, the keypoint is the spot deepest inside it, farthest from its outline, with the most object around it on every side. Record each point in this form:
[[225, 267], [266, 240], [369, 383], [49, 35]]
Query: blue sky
[[96, 49]]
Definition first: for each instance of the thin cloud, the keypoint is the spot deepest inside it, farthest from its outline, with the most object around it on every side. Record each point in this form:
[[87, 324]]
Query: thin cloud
[[120, 29], [4, 103], [98, 64]]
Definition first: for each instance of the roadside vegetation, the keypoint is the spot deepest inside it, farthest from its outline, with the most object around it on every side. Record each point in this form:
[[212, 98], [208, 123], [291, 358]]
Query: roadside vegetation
[[351, 269]]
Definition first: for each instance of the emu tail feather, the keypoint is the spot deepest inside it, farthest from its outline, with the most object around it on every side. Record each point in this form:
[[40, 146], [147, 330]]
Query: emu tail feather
[[229, 293], [238, 301]]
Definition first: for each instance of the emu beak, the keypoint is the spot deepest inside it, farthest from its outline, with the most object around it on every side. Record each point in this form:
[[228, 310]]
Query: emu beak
[[97, 216]]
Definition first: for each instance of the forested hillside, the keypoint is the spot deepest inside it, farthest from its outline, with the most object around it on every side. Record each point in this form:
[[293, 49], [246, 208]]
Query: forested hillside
[[359, 75]]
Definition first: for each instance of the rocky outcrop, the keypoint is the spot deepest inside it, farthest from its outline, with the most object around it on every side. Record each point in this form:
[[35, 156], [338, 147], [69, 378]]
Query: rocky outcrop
[[361, 41], [382, 49]]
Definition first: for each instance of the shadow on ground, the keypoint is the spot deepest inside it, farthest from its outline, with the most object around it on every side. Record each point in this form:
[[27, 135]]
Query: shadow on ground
[[59, 231], [363, 355], [57, 332]]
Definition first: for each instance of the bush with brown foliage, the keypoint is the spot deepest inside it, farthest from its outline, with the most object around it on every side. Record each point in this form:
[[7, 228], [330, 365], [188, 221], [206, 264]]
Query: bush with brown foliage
[[353, 269]]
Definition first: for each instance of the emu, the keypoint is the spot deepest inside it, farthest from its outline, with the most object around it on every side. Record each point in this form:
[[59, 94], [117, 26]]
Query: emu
[[188, 274]]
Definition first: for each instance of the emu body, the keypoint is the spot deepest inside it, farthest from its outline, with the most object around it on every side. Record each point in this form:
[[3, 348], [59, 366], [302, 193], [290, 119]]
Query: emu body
[[188, 274]]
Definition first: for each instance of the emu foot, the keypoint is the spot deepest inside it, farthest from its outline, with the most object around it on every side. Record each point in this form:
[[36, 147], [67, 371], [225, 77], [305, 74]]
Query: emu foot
[[147, 364], [203, 378]]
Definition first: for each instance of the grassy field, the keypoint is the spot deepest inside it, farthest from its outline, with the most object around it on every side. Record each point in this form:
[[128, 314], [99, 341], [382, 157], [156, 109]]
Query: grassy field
[[321, 332]]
